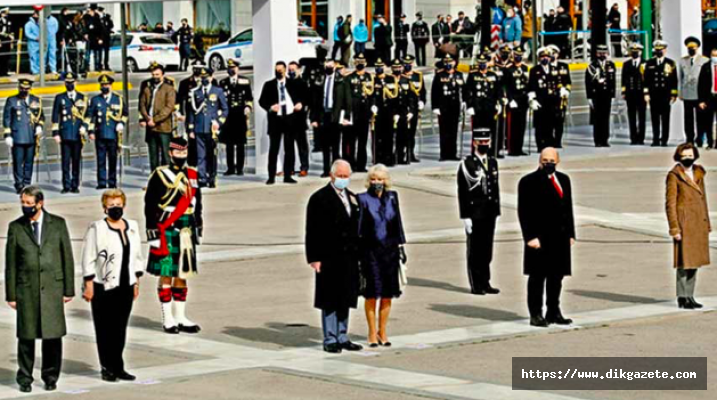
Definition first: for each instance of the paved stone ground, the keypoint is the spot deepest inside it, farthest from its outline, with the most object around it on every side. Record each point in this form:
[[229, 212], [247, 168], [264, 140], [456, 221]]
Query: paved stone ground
[[261, 338]]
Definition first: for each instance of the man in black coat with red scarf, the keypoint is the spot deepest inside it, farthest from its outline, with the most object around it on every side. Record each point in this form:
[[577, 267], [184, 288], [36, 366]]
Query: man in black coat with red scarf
[[545, 211]]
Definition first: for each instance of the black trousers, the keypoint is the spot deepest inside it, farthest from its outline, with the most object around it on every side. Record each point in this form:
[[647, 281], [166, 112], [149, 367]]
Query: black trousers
[[420, 50], [158, 148], [110, 315], [335, 49], [206, 158], [401, 49], [559, 125], [384, 53], [329, 132], [71, 163], [412, 129], [601, 120], [281, 130], [355, 143], [4, 61], [235, 156], [185, 53], [106, 152], [660, 111], [23, 158], [708, 121], [636, 115], [385, 139], [51, 360], [479, 247], [448, 130], [302, 141], [693, 115], [517, 119], [544, 123], [192, 151], [403, 155], [540, 284], [106, 54]]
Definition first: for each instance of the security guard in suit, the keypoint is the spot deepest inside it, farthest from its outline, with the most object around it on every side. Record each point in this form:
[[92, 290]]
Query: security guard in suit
[[600, 88], [515, 80], [660, 92], [23, 120], [565, 87], [544, 99], [482, 93], [446, 103], [207, 113], [361, 84], [633, 93], [418, 97], [108, 115], [479, 207], [69, 127], [237, 90]]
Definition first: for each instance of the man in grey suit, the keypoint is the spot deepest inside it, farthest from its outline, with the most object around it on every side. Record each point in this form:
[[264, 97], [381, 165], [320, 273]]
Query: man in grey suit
[[690, 66], [39, 280]]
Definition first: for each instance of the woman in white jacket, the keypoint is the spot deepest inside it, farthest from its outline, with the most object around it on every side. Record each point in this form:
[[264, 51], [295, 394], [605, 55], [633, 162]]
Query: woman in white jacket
[[112, 263]]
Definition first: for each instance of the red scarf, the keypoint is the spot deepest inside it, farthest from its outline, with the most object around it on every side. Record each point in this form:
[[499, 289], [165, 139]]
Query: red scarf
[[179, 210]]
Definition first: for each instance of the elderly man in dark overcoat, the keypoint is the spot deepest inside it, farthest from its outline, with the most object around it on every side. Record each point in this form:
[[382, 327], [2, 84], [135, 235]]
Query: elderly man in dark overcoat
[[545, 210], [39, 280], [331, 251]]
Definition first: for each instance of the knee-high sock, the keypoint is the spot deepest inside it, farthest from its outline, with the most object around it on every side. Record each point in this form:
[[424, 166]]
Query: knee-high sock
[[180, 303], [165, 300]]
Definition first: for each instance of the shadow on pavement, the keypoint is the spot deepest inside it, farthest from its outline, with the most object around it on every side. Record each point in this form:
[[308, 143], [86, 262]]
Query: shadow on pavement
[[286, 335], [615, 297], [470, 311], [429, 283]]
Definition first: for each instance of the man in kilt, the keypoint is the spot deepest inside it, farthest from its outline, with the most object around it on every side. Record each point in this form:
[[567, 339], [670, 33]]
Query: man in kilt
[[173, 210]]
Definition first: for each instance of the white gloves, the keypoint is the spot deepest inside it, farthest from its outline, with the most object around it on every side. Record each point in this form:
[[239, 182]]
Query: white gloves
[[409, 117], [498, 108], [471, 111], [513, 104], [421, 105], [374, 110], [38, 130], [534, 105], [83, 130], [564, 93], [396, 118], [531, 96], [504, 100], [247, 110], [463, 105], [8, 141], [155, 244], [437, 111], [120, 127], [468, 225], [590, 101]]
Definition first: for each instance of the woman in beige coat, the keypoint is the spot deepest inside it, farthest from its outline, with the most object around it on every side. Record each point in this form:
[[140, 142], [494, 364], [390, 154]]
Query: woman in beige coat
[[689, 221]]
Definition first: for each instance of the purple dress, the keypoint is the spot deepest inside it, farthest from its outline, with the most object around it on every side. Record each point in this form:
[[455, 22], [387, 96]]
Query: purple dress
[[380, 234]]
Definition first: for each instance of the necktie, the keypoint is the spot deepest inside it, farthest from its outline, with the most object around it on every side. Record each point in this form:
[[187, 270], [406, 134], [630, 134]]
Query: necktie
[[557, 187], [282, 99], [714, 76], [36, 231], [326, 93], [692, 61]]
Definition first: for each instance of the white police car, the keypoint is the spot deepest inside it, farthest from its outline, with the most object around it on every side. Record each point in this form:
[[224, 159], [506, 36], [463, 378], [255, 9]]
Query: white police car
[[240, 47], [142, 49]]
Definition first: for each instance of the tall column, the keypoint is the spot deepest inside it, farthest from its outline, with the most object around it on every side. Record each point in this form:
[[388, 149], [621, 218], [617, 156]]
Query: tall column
[[646, 25], [275, 39], [678, 22]]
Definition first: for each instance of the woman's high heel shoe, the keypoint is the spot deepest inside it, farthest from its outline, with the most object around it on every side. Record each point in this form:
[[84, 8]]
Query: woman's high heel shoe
[[384, 344]]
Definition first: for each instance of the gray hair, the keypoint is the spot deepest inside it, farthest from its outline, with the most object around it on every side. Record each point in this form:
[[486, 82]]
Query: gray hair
[[379, 169], [338, 163], [34, 192]]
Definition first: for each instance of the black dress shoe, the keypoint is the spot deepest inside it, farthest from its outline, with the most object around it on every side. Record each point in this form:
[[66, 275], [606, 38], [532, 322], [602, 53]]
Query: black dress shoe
[[100, 187], [557, 318], [325, 175], [681, 301], [51, 386], [414, 159], [384, 344], [64, 191], [126, 376], [189, 328], [229, 173], [694, 303], [655, 145], [75, 190], [270, 181], [108, 376], [26, 388], [373, 345], [491, 290], [289, 180], [332, 348], [478, 291], [240, 173], [172, 330], [538, 321], [350, 346]]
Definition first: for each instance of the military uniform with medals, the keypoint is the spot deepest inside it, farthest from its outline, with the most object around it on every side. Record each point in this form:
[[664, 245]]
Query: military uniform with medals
[[361, 86], [600, 88], [237, 90], [107, 117], [384, 97], [482, 93], [633, 92], [446, 103], [516, 80], [545, 96], [418, 99], [69, 123], [661, 90]]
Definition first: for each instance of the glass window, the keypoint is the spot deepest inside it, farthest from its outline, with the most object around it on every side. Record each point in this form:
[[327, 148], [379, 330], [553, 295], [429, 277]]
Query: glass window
[[156, 40], [149, 12], [213, 14], [314, 14], [117, 40], [246, 36], [308, 33]]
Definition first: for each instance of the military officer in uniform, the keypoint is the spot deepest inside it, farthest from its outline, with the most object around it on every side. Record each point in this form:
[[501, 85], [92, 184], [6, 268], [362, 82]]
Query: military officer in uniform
[[401, 37], [482, 93], [479, 207], [108, 115], [544, 99], [183, 37], [565, 87], [207, 112], [382, 107], [633, 93], [6, 39], [689, 69], [660, 92], [516, 89], [420, 34], [182, 105], [361, 83], [418, 98], [240, 101], [600, 88], [23, 120], [69, 128], [501, 61], [406, 109], [446, 103]]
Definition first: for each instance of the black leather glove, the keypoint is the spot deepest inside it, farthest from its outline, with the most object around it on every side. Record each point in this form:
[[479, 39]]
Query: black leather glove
[[402, 255]]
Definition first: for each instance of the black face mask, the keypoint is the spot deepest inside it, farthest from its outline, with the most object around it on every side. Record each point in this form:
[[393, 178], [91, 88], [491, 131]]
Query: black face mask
[[115, 213], [70, 87], [635, 54], [329, 70], [549, 168], [691, 52], [379, 70], [482, 149], [23, 92], [518, 58], [279, 75], [360, 67], [505, 56], [105, 89], [232, 72], [179, 162], [197, 74], [659, 53], [544, 61], [292, 74], [482, 66], [449, 67], [396, 72], [206, 81], [29, 212], [157, 81], [602, 57], [687, 162], [408, 67]]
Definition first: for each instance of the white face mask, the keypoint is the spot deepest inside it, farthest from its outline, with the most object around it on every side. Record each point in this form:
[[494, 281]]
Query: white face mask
[[714, 60]]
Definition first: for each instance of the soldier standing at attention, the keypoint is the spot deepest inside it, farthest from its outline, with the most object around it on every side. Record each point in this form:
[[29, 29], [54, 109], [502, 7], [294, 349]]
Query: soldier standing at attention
[[420, 34], [240, 101], [361, 84], [516, 88], [565, 87], [544, 99], [23, 121], [69, 127], [401, 37], [481, 94], [633, 93], [660, 92], [418, 98], [600, 88], [446, 103]]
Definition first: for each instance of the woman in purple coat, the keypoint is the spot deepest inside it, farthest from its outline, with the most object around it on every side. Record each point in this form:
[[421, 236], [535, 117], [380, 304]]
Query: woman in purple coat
[[382, 238]]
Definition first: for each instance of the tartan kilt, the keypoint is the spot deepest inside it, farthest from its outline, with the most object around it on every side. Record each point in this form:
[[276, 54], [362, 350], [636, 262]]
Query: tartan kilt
[[168, 266]]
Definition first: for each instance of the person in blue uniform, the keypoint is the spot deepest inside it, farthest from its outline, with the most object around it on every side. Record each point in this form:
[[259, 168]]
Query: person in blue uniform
[[69, 127], [23, 121], [32, 35], [206, 114], [381, 239], [108, 114]]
